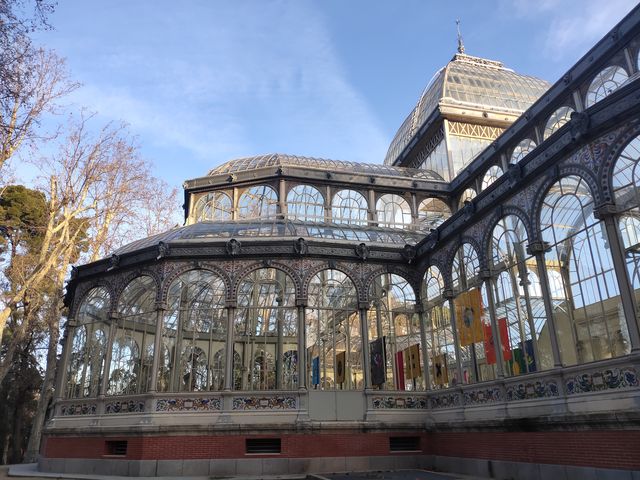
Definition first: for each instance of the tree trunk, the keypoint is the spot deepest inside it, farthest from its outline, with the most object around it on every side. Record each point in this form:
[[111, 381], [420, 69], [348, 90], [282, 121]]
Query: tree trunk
[[46, 393]]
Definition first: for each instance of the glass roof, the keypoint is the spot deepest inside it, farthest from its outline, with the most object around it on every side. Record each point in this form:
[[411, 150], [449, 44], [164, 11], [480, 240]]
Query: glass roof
[[471, 82], [326, 165], [277, 229]]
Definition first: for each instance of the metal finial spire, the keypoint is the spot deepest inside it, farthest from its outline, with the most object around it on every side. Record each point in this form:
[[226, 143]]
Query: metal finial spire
[[460, 43]]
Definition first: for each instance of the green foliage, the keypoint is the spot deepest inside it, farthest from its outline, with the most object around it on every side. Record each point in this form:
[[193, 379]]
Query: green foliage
[[23, 217]]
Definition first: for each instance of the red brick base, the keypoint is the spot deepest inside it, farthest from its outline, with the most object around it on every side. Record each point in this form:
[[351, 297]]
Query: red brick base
[[600, 449]]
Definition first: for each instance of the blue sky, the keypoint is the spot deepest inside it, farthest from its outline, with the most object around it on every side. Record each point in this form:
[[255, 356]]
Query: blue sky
[[202, 82]]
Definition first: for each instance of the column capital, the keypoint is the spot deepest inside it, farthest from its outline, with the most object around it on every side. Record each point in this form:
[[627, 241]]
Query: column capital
[[301, 302], [230, 304], [448, 294], [363, 305], [161, 306], [538, 247], [605, 210], [485, 274]]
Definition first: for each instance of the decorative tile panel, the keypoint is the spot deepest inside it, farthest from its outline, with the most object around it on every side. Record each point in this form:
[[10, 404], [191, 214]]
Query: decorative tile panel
[[124, 406], [400, 402], [188, 404], [608, 379], [265, 403], [447, 400], [483, 396], [79, 409], [529, 390]]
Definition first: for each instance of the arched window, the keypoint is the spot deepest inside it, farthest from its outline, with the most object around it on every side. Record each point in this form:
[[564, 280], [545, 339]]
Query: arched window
[[432, 212], [588, 316], [267, 321], [626, 190], [522, 150], [258, 202], [333, 333], [468, 195], [442, 358], [393, 211], [557, 120], [472, 316], [132, 353], [349, 207], [394, 335], [604, 83], [520, 313], [305, 203], [491, 176], [85, 366], [213, 206], [195, 327]]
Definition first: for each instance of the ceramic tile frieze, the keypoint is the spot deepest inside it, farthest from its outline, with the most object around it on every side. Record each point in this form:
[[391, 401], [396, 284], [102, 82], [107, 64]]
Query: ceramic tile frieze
[[447, 400], [483, 396], [599, 380], [124, 406], [284, 402], [399, 403], [188, 404], [533, 389], [79, 409]]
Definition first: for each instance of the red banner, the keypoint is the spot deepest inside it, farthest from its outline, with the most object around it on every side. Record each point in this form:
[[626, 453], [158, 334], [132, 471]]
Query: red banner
[[489, 344]]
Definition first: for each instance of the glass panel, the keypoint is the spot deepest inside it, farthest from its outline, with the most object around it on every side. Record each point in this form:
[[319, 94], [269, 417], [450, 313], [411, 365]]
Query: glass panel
[[194, 329], [587, 310], [557, 120], [394, 335], [266, 331], [522, 150], [393, 211], [604, 83], [334, 344], [491, 176], [349, 207], [468, 195], [305, 203], [85, 366], [213, 206], [258, 202], [432, 212]]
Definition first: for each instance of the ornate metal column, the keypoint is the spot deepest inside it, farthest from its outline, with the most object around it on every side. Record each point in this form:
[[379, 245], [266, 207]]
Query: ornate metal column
[[425, 351], [302, 344], [161, 307], [228, 363], [366, 360], [64, 361], [495, 331], [113, 326], [448, 294], [538, 250]]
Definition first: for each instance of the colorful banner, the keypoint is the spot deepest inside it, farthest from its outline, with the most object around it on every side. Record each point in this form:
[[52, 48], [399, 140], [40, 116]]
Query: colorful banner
[[315, 371], [440, 373], [378, 361], [400, 370], [340, 367], [412, 366], [489, 344], [523, 358], [469, 317]]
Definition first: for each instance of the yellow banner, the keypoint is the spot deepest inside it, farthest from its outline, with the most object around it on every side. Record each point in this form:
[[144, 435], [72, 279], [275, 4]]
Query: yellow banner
[[440, 373], [341, 365], [469, 317], [412, 366]]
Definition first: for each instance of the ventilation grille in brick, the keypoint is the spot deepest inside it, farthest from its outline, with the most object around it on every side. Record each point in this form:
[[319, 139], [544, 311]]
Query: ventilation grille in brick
[[263, 445], [116, 447], [404, 444]]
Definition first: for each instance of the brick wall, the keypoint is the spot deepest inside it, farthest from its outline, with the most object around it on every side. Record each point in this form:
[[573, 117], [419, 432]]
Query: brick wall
[[601, 449]]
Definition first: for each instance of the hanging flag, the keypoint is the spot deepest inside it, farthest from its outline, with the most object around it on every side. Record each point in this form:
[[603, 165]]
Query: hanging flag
[[489, 344], [340, 367], [529, 355], [412, 365], [440, 373], [469, 317], [315, 371], [378, 361], [400, 370]]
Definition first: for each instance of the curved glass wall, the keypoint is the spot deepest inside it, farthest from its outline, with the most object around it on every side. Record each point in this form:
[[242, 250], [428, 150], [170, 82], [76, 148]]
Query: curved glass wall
[[626, 190], [525, 343], [432, 213], [266, 331], [587, 311], [393, 211], [215, 206], [305, 203], [349, 207], [439, 333], [132, 348], [260, 201], [494, 173], [333, 339], [468, 195], [194, 329], [604, 83], [394, 335], [557, 120], [85, 365]]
